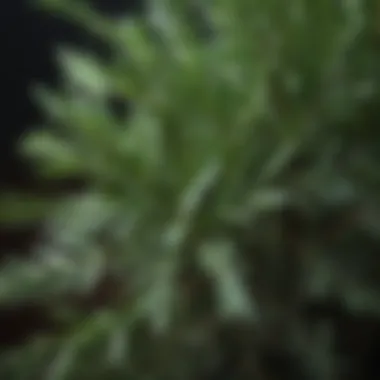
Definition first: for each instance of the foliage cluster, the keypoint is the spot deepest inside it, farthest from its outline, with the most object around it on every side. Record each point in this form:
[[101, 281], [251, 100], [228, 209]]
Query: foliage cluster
[[241, 186]]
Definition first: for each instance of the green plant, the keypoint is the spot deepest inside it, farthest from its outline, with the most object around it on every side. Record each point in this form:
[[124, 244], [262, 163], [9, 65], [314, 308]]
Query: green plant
[[189, 200]]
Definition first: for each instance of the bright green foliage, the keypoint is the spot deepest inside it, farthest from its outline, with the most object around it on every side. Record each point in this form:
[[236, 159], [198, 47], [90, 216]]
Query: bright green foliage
[[240, 110]]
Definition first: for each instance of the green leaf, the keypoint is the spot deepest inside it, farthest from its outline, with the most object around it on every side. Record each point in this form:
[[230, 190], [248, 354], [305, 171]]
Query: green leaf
[[57, 157], [19, 209], [219, 259], [84, 73]]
